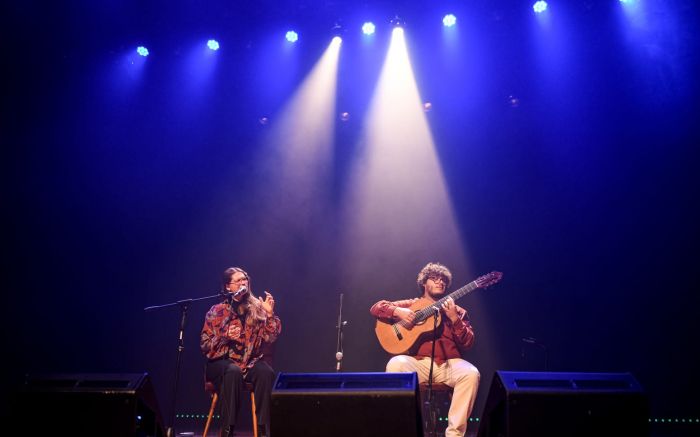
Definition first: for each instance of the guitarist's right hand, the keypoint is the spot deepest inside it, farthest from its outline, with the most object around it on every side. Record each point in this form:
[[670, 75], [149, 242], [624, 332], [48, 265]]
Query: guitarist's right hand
[[404, 314]]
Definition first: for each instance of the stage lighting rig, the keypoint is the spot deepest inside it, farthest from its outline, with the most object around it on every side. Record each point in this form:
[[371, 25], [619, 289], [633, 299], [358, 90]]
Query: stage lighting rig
[[398, 22], [338, 30]]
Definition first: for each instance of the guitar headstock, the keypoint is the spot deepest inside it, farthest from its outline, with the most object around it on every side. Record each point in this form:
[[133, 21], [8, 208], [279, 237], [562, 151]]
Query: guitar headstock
[[488, 279]]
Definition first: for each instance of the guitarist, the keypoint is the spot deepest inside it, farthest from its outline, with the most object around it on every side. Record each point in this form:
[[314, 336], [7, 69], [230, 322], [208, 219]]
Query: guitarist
[[454, 335]]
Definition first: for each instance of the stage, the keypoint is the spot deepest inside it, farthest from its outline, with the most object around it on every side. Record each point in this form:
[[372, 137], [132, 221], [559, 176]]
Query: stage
[[331, 149]]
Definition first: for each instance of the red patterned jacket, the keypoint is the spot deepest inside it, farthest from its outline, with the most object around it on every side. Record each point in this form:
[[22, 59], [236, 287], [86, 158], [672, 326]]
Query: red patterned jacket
[[248, 347]]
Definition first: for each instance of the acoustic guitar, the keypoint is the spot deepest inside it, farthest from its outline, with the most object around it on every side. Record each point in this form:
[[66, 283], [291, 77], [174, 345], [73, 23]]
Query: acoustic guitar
[[398, 338]]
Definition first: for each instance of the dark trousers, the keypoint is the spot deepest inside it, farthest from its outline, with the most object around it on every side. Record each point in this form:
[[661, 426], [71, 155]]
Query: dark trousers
[[228, 379]]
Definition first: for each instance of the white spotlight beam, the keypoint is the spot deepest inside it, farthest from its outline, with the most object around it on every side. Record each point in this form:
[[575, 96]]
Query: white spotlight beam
[[298, 153], [399, 208]]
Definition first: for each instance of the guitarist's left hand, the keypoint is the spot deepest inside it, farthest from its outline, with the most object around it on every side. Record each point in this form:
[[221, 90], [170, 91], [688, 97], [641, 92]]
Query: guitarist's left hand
[[450, 309]]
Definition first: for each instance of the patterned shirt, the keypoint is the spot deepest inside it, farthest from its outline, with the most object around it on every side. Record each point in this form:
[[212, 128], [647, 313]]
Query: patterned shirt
[[249, 340], [454, 337]]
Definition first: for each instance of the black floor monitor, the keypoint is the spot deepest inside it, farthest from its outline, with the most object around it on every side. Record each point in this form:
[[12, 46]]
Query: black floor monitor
[[544, 404]]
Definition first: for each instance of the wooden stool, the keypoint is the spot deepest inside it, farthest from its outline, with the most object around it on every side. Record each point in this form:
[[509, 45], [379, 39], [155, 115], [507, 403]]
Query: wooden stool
[[209, 388], [438, 388]]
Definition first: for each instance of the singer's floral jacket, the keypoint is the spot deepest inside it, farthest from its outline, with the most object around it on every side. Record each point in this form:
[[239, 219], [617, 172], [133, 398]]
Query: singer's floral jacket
[[226, 334]]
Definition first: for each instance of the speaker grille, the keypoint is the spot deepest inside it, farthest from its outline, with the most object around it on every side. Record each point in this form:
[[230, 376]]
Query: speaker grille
[[346, 405], [107, 405], [549, 404]]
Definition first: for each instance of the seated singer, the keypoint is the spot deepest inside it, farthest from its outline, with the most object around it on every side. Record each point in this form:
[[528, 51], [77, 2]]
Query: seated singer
[[235, 336], [455, 335]]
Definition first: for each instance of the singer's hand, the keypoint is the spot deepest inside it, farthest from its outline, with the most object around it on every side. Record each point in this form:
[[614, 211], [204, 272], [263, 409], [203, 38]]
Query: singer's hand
[[269, 304], [404, 314], [233, 332]]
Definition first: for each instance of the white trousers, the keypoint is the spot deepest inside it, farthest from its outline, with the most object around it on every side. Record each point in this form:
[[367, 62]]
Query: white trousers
[[457, 373]]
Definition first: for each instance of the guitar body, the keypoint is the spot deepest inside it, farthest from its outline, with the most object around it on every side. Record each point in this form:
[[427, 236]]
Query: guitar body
[[398, 338]]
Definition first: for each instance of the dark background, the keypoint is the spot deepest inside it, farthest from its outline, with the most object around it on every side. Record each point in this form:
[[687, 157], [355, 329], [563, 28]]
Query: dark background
[[124, 188]]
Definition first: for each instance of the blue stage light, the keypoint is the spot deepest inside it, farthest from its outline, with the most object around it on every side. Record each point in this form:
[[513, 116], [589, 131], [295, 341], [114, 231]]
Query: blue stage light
[[292, 36], [141, 50], [368, 28], [449, 20], [213, 44], [540, 6]]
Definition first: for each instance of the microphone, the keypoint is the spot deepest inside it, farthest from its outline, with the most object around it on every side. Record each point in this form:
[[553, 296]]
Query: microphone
[[535, 342], [236, 294], [338, 358], [240, 291]]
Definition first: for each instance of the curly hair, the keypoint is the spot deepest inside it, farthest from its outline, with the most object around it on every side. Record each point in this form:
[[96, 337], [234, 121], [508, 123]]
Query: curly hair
[[433, 269], [253, 303]]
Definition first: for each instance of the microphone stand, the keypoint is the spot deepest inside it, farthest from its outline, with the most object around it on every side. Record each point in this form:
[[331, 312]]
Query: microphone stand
[[339, 349], [430, 404], [184, 305], [535, 342]]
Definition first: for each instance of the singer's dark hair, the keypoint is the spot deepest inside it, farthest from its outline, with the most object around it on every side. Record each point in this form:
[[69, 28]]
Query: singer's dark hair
[[228, 274], [252, 302]]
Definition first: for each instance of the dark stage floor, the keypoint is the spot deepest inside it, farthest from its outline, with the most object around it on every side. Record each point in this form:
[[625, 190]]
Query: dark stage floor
[[248, 433], [667, 430]]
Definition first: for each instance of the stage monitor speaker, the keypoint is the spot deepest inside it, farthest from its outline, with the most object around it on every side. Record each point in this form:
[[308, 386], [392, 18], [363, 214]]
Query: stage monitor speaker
[[346, 404], [547, 404], [89, 405]]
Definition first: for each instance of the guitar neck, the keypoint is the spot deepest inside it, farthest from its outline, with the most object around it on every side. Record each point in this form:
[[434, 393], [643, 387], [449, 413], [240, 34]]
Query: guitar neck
[[429, 310]]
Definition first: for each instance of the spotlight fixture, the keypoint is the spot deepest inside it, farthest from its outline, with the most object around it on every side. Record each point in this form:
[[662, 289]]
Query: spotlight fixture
[[141, 50], [337, 30], [540, 6], [513, 101], [292, 36], [449, 20], [368, 28], [213, 44], [398, 22]]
